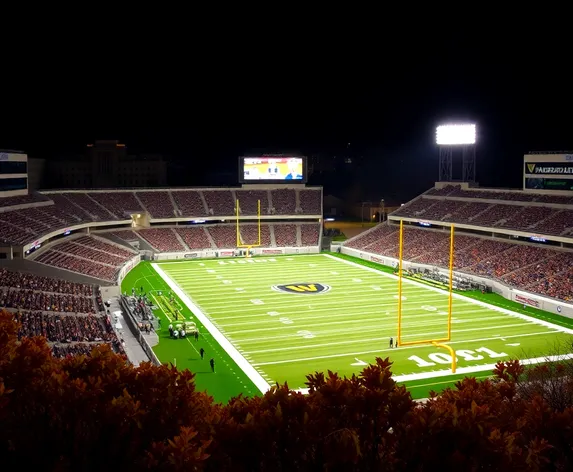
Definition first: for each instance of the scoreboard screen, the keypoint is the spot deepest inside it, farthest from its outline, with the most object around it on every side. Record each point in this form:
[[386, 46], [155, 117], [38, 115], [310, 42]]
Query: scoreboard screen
[[272, 169], [550, 183], [548, 171]]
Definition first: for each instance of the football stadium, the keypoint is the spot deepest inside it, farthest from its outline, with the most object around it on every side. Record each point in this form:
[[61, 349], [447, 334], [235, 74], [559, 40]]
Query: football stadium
[[242, 286]]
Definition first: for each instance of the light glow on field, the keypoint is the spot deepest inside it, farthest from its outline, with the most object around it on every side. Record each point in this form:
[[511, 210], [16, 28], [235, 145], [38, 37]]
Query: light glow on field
[[300, 314]]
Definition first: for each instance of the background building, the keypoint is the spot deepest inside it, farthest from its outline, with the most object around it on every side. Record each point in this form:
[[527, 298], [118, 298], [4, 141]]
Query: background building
[[13, 173], [36, 173], [106, 164]]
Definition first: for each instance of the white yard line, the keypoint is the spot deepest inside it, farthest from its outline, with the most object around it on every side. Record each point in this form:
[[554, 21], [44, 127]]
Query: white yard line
[[376, 351], [380, 311], [315, 300], [387, 331], [245, 366], [424, 335], [377, 317], [457, 296]]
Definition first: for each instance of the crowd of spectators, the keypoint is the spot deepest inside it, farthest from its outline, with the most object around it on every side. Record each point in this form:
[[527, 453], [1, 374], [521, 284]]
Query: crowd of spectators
[[76, 349], [515, 195], [87, 255], [224, 236], [21, 280], [33, 292], [537, 268], [91, 268], [69, 315], [162, 239], [34, 300], [541, 219], [62, 328], [45, 213], [92, 256]]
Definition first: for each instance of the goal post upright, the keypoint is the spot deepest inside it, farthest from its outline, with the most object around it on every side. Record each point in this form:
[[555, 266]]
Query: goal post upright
[[237, 223], [448, 337], [248, 247], [400, 254], [259, 220], [451, 284]]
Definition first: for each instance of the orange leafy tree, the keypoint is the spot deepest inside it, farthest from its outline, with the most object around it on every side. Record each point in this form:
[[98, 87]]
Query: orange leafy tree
[[97, 412]]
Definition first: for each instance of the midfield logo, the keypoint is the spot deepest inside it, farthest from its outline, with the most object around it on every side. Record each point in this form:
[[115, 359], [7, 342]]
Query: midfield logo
[[302, 288]]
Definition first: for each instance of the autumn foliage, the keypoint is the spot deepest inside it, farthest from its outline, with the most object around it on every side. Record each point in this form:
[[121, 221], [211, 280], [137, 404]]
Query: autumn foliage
[[97, 412]]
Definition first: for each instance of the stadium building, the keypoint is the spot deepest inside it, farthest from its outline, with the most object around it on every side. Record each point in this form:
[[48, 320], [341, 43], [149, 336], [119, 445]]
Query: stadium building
[[68, 252]]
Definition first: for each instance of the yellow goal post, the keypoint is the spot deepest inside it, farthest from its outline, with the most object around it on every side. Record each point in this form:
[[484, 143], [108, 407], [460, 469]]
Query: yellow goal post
[[240, 243], [448, 337]]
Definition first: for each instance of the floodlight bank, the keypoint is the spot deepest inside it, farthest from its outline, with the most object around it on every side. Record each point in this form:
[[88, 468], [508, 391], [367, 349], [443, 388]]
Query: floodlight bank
[[451, 135]]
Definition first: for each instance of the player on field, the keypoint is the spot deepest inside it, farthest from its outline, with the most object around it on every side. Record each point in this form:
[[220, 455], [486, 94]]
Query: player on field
[[391, 343]]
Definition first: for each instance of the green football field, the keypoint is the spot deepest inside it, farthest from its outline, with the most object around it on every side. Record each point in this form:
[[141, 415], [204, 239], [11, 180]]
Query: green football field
[[276, 319]]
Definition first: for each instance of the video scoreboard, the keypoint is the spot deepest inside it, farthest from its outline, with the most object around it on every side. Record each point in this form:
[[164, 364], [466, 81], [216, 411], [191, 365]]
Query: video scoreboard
[[272, 169], [548, 172]]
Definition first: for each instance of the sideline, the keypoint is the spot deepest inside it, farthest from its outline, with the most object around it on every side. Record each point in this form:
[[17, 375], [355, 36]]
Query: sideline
[[233, 353]]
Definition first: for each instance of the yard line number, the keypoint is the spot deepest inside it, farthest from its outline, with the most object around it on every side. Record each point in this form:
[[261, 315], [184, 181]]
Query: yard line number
[[465, 354]]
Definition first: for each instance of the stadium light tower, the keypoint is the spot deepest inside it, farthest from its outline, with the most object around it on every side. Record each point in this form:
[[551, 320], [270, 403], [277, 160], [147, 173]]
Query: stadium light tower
[[452, 137]]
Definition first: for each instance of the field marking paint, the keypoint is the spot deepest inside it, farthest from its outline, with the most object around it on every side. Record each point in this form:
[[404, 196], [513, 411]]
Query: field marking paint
[[376, 351], [356, 341], [429, 324], [466, 370], [335, 305], [330, 333], [245, 366], [189, 341], [458, 296]]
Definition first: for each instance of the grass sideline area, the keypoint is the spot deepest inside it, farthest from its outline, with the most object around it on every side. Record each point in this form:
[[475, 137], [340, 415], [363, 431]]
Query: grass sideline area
[[264, 339], [228, 381]]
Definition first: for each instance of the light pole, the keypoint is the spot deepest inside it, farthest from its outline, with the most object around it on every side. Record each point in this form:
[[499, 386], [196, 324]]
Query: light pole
[[382, 208]]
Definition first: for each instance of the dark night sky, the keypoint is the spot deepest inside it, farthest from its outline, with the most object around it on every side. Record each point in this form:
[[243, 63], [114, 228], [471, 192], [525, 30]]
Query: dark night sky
[[203, 102]]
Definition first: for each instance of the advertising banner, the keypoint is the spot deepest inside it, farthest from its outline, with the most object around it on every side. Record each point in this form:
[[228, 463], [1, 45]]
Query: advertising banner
[[272, 251], [527, 301]]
